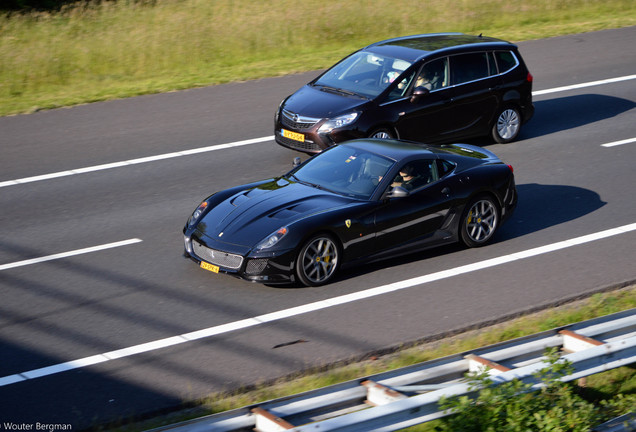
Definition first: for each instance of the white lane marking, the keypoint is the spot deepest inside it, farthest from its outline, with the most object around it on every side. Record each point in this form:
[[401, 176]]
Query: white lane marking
[[617, 143], [311, 307], [240, 143], [583, 85], [134, 161], [68, 254]]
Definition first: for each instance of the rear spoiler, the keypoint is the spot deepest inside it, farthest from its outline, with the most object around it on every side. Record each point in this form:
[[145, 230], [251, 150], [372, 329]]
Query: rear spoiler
[[471, 151]]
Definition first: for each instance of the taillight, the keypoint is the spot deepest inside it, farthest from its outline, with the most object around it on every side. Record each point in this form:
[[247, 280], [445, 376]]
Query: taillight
[[512, 170], [529, 78]]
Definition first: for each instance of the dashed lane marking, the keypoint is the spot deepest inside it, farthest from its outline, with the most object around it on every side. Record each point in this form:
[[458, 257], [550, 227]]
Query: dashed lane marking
[[311, 307], [242, 143]]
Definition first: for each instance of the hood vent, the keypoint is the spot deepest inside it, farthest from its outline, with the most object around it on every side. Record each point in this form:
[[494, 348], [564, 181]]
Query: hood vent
[[239, 199], [284, 213]]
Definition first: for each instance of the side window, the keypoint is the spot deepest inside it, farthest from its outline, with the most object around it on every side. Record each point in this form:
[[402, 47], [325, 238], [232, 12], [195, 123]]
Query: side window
[[468, 67], [506, 60], [416, 174], [444, 167], [401, 87], [492, 64], [433, 75]]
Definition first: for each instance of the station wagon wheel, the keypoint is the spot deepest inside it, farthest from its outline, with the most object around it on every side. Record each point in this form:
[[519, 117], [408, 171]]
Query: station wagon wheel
[[318, 260], [382, 133], [507, 125], [480, 221]]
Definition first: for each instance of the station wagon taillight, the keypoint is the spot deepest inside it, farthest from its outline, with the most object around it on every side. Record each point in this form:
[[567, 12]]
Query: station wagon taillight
[[529, 78]]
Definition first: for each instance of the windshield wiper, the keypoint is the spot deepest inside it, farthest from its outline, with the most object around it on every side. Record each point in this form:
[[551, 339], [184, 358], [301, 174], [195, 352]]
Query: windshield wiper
[[327, 88], [306, 183]]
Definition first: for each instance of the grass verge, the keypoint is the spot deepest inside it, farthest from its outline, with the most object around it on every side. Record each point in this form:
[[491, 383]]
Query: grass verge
[[605, 385], [99, 50]]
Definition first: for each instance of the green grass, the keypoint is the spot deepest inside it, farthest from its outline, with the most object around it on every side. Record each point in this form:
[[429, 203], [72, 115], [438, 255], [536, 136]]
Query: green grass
[[600, 386], [113, 49]]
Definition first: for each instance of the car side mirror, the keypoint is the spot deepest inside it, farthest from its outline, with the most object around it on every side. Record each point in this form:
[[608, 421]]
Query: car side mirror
[[397, 192], [418, 93], [296, 162]]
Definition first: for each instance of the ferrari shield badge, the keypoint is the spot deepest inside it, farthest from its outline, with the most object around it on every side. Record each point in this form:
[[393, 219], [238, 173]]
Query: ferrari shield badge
[[348, 223]]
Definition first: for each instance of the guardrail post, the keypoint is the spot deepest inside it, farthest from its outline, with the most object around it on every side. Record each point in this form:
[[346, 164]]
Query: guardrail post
[[380, 395], [268, 422], [478, 364]]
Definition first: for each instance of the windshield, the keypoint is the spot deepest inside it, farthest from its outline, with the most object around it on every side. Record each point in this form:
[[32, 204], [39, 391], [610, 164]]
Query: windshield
[[344, 170], [362, 73]]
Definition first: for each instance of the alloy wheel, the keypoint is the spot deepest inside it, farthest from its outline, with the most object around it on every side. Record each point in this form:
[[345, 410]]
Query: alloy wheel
[[481, 221], [382, 133], [318, 261], [508, 124]]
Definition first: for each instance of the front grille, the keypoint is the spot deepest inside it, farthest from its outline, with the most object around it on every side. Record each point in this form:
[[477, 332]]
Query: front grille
[[306, 145], [294, 121], [216, 257], [256, 266]]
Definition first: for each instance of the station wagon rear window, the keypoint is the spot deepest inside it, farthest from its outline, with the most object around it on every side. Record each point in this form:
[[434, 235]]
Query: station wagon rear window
[[506, 60]]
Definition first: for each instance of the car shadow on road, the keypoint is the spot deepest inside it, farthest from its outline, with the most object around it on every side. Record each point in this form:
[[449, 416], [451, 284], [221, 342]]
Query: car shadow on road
[[565, 113], [540, 206], [569, 112]]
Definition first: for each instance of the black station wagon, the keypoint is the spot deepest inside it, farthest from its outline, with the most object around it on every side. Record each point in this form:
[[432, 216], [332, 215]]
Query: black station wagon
[[429, 88]]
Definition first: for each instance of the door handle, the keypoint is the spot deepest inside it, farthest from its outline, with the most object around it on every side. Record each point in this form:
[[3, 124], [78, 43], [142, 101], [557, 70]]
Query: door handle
[[446, 191]]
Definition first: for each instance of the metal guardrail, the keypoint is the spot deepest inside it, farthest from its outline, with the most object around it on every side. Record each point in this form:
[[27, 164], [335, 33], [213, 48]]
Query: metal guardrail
[[624, 423], [408, 396]]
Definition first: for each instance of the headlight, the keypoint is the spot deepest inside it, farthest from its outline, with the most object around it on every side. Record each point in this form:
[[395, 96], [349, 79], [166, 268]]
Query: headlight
[[187, 241], [272, 239], [280, 105], [197, 213], [337, 122]]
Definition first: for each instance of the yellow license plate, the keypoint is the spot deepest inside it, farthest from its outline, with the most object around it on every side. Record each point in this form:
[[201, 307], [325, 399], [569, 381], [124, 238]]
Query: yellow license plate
[[293, 135], [209, 266]]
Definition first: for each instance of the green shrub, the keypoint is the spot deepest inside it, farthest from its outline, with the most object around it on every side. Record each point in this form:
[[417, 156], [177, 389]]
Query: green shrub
[[513, 406]]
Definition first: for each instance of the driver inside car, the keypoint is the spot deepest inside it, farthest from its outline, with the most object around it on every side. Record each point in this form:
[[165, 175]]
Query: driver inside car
[[406, 178]]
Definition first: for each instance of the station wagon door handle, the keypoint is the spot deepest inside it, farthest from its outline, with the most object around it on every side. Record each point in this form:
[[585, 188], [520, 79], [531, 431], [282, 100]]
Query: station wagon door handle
[[446, 191]]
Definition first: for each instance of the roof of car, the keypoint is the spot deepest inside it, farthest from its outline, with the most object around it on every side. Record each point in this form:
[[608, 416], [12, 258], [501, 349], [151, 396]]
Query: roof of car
[[414, 47], [391, 148], [398, 150]]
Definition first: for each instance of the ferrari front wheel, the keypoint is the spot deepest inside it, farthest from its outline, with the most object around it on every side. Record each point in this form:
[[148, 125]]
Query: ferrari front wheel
[[480, 221], [318, 260]]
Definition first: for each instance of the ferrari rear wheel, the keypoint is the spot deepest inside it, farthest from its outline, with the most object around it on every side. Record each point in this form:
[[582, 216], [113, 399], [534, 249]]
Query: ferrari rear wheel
[[480, 221], [318, 260]]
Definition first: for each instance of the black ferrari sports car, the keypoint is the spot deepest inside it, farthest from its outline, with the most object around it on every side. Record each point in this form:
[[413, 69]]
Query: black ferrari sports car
[[356, 202]]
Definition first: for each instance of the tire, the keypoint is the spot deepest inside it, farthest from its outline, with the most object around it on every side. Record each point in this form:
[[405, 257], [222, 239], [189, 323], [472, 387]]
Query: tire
[[383, 133], [507, 125], [480, 221], [318, 260]]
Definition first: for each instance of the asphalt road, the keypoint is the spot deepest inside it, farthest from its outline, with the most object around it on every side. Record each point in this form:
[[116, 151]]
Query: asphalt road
[[72, 327]]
